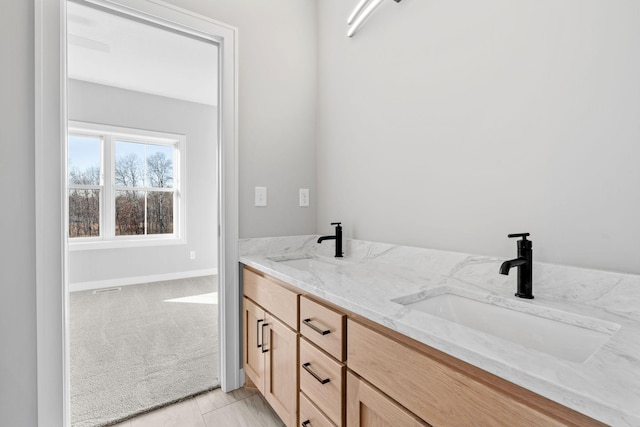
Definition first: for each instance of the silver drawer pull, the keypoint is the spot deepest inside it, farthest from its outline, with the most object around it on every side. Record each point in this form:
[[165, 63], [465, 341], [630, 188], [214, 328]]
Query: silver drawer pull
[[315, 328], [314, 375]]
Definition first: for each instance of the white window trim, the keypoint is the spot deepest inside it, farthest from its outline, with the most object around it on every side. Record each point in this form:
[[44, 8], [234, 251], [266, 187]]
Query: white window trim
[[107, 238]]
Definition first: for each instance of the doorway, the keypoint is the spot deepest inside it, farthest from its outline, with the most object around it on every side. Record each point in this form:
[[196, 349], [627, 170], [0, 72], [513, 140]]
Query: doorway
[[142, 105], [53, 278]]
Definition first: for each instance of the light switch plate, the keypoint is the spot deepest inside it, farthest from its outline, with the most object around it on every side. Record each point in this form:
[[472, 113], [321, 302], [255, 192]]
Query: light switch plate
[[261, 196], [304, 197]]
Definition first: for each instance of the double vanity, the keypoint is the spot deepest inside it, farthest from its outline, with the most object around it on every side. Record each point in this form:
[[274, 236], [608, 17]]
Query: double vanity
[[392, 335]]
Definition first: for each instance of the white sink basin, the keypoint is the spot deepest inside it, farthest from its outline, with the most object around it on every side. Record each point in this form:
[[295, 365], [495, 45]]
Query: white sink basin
[[562, 334], [309, 262]]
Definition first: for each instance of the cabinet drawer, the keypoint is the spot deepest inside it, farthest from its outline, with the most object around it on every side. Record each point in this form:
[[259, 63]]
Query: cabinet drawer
[[367, 406], [323, 327], [322, 380], [276, 299], [437, 393], [311, 416]]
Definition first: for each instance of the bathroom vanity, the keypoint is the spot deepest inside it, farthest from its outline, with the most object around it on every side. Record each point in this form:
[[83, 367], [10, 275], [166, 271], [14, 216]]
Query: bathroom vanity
[[348, 342]]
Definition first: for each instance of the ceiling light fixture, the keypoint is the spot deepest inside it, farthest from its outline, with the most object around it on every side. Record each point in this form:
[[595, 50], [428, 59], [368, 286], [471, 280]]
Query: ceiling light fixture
[[362, 10]]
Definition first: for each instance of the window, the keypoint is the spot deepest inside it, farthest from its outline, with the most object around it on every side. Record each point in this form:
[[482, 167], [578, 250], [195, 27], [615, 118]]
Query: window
[[85, 189], [124, 186]]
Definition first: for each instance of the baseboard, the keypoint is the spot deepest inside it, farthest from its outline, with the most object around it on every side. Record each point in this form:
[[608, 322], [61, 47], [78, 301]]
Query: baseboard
[[243, 379], [126, 281]]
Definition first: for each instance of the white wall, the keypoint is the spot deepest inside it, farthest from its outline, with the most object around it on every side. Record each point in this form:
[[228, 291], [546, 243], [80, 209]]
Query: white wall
[[96, 103], [17, 218], [451, 124], [277, 109]]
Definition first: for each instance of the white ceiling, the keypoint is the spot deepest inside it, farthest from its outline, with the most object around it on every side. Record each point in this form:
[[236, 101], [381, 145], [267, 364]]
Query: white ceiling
[[111, 50]]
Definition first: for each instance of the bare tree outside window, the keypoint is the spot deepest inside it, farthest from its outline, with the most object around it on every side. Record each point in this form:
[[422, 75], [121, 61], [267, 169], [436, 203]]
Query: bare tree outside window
[[129, 172], [119, 187], [84, 203], [140, 169], [159, 204], [84, 185]]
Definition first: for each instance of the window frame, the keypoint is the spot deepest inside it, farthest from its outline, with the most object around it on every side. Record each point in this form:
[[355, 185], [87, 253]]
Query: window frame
[[99, 187], [109, 135]]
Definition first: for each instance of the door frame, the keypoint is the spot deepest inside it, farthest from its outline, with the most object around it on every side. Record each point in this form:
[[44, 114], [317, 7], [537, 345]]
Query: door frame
[[51, 226]]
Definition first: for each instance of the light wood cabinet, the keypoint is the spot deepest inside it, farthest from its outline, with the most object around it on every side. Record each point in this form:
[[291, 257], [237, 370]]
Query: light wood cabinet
[[270, 345], [273, 295], [281, 373], [322, 380], [388, 380], [444, 391], [324, 327], [270, 360], [253, 330], [311, 416], [368, 407], [322, 352]]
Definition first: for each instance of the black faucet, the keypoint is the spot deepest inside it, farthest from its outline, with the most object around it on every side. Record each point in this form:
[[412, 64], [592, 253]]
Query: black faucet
[[337, 238], [524, 262]]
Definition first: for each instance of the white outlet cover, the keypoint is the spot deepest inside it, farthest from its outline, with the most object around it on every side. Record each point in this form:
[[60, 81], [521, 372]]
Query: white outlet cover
[[304, 197], [261, 196]]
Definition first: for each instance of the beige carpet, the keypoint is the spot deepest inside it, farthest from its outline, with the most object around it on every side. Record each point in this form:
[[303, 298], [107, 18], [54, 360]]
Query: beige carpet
[[142, 347]]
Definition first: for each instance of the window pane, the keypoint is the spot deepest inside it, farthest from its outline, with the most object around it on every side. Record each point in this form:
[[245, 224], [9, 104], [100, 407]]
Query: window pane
[[84, 213], [159, 166], [129, 171], [159, 212], [129, 213], [84, 160]]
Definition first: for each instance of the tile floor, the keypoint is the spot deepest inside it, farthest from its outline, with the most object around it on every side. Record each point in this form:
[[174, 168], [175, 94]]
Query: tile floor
[[240, 408]]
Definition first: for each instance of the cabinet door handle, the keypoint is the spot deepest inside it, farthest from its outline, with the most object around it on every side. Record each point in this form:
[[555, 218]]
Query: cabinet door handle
[[264, 347], [306, 423], [258, 333], [315, 328], [314, 375]]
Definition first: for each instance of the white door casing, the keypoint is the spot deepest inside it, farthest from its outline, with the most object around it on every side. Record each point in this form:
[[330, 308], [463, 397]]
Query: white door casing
[[50, 157]]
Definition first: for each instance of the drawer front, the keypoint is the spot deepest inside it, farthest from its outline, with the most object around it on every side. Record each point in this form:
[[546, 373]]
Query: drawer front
[[437, 393], [323, 327], [322, 380], [277, 300], [367, 406], [311, 416]]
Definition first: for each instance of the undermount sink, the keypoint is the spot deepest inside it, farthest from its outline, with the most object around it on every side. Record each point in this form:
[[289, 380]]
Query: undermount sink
[[309, 262], [561, 334]]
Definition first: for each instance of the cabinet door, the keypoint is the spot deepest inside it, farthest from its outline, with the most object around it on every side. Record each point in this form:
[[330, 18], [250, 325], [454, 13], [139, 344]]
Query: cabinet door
[[367, 407], [252, 340], [281, 373]]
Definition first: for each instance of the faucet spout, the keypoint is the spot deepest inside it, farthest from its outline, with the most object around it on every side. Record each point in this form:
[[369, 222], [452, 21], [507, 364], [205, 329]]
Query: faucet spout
[[337, 237], [323, 238], [508, 265]]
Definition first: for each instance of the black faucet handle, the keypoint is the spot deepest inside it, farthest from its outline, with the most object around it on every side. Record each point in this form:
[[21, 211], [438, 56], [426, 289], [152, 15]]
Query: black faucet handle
[[336, 223], [524, 243], [523, 235]]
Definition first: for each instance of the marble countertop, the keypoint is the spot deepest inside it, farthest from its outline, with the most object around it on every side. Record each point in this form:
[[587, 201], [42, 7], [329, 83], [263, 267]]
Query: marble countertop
[[605, 387]]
